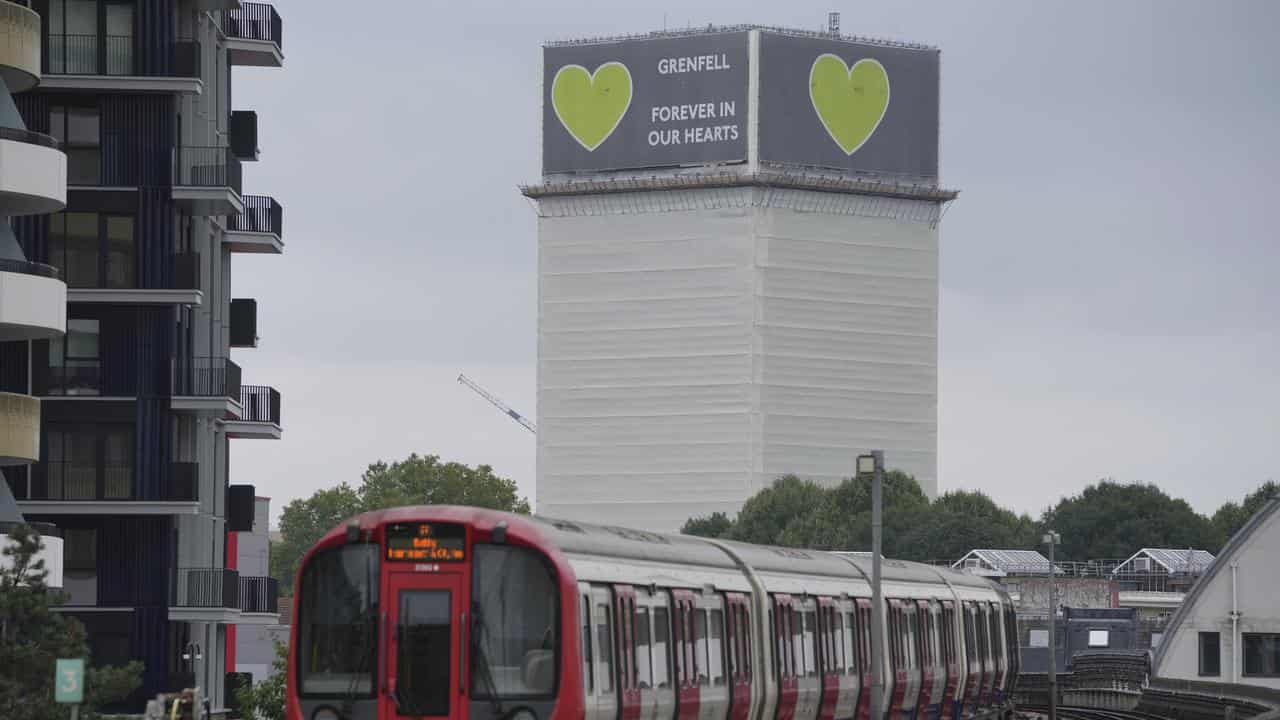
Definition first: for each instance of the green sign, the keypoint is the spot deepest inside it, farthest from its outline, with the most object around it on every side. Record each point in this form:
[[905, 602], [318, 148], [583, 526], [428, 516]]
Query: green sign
[[68, 681]]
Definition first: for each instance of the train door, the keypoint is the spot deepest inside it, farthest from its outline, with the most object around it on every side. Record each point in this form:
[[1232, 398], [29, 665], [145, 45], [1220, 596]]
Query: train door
[[784, 655], [934, 664], [713, 687], [829, 670], [808, 682], [624, 610], [846, 672], [738, 646], [599, 673], [426, 646], [911, 627], [951, 660], [684, 655], [980, 629], [999, 657], [973, 659], [653, 656], [862, 640], [1011, 640]]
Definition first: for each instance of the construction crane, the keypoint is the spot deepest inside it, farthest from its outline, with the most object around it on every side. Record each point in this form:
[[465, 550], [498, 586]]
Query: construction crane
[[526, 422]]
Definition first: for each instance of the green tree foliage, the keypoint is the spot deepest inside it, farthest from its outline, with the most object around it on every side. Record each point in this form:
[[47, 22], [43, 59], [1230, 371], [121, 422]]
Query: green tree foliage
[[1113, 520], [265, 700], [416, 480], [1232, 516], [714, 525], [962, 520], [33, 636]]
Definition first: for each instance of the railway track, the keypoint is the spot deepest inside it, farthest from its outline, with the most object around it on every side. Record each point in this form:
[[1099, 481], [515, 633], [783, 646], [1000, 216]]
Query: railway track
[[1083, 713]]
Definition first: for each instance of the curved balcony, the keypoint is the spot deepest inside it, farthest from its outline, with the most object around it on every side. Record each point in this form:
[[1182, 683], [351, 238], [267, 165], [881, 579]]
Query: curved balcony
[[33, 301], [19, 429], [19, 47], [33, 173]]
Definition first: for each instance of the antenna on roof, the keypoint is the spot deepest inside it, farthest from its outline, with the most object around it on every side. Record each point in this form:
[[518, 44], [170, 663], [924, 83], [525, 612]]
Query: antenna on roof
[[833, 23]]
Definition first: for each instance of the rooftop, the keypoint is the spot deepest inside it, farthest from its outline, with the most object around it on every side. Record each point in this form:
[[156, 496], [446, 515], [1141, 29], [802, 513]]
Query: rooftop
[[721, 29], [1004, 562], [1185, 560]]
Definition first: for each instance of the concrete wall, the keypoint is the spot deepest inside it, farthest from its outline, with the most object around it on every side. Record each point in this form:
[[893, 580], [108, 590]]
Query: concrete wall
[[1033, 593], [694, 345]]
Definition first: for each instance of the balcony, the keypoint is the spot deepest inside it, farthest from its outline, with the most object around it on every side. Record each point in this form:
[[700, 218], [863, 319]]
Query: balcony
[[19, 47], [207, 181], [244, 323], [181, 288], [33, 299], [255, 35], [113, 63], [33, 170], [259, 415], [244, 135], [19, 429], [205, 595], [74, 488], [259, 601], [258, 228], [207, 386]]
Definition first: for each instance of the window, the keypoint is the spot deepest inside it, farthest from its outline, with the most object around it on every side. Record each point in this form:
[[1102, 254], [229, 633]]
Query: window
[[80, 565], [700, 645], [78, 129], [93, 250], [79, 42], [73, 359], [423, 643], [515, 601], [661, 648], [644, 653], [1039, 638], [1262, 654], [338, 623], [1099, 638], [715, 648], [588, 667], [89, 462], [847, 635], [604, 641]]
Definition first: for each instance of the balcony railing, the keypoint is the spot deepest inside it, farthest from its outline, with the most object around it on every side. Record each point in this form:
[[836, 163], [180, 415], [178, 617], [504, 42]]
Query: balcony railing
[[70, 380], [260, 403], [206, 167], [64, 480], [24, 267], [206, 377], [26, 136], [261, 214], [185, 275], [254, 21], [206, 588], [259, 595], [116, 55]]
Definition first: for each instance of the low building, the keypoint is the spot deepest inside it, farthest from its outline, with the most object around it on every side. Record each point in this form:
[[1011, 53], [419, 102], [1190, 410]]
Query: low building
[[1078, 630], [252, 641], [1227, 628]]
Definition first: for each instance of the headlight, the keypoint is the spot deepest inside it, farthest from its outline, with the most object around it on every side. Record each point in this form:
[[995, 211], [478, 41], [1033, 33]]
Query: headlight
[[326, 713], [523, 714]]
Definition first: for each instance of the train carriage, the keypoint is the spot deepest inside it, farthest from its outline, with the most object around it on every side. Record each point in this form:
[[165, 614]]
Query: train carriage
[[469, 614]]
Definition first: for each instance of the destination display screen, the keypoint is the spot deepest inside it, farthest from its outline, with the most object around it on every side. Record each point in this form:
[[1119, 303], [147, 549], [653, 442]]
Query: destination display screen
[[426, 542]]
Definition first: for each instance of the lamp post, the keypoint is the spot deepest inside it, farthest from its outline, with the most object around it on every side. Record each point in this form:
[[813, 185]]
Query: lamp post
[[873, 464], [1051, 539]]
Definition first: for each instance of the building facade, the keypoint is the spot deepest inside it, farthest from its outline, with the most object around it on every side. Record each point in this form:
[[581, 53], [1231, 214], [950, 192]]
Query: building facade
[[141, 397], [252, 641], [717, 307]]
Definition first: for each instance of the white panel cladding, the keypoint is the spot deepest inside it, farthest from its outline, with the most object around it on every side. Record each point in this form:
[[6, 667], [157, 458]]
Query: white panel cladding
[[696, 344]]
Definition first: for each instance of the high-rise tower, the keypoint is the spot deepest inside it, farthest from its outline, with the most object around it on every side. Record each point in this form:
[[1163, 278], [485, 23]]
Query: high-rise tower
[[738, 268]]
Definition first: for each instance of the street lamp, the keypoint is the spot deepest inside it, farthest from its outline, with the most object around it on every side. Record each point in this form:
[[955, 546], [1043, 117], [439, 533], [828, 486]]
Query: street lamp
[[1052, 539], [873, 464]]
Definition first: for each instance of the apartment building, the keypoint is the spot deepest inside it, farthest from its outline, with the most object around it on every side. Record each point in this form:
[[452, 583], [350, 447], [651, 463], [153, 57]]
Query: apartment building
[[141, 396]]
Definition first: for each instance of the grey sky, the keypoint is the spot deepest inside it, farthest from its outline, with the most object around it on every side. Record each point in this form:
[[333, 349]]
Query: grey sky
[[1109, 302]]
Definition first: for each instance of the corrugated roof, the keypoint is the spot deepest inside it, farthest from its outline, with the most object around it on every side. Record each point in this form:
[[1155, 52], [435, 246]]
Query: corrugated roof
[[1188, 560], [1008, 561]]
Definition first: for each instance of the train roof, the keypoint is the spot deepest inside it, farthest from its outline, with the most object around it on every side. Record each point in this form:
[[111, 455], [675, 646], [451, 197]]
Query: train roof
[[578, 538]]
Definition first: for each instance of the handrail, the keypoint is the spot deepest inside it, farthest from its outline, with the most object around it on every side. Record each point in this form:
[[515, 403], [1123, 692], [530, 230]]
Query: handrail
[[26, 267], [254, 21], [29, 137]]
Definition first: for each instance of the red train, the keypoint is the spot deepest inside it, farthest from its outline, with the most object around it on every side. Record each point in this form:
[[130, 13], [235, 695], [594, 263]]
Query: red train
[[469, 614]]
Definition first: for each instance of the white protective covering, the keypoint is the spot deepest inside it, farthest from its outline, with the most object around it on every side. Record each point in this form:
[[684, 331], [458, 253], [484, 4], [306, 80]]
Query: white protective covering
[[694, 345]]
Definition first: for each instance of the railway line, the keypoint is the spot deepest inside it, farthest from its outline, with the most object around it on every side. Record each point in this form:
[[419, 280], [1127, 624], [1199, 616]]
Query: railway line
[[1085, 713]]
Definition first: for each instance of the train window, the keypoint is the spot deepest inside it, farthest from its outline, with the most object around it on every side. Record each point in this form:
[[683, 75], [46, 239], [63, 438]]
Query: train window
[[838, 655], [746, 641], [588, 667], [604, 641], [715, 649], [644, 650], [337, 622], [423, 638], [515, 604], [845, 621], [661, 648], [700, 636]]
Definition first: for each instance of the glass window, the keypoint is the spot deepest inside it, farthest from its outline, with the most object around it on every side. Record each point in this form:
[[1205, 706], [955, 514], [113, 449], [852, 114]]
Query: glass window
[[703, 662], [1039, 638], [119, 37], [588, 667], [80, 550], [810, 647], [423, 646], [1261, 654], [1099, 638], [122, 252], [644, 650], [1210, 654], [514, 602], [661, 648], [746, 640], [337, 623], [604, 641], [78, 128], [73, 359], [715, 648]]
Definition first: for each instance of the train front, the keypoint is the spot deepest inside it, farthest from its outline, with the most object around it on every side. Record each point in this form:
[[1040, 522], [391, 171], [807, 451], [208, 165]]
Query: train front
[[433, 612]]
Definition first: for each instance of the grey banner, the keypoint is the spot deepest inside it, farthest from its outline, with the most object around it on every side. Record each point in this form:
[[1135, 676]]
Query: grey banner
[[687, 103], [903, 143]]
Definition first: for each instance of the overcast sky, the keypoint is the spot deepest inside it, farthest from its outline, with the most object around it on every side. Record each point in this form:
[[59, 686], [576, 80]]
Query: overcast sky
[[1109, 302]]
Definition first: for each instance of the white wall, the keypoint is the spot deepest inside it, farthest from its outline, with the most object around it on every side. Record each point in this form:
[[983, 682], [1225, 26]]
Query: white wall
[[694, 345], [1208, 609]]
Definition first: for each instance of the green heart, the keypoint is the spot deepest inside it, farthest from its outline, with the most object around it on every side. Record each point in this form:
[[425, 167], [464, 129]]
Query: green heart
[[590, 105], [850, 102]]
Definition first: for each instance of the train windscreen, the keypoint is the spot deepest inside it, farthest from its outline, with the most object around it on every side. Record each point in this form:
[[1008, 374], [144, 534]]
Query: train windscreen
[[337, 632], [516, 635]]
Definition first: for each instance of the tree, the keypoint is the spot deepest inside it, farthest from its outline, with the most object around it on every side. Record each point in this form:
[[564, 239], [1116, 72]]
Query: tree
[[1231, 517], [33, 636], [961, 520], [265, 700], [416, 480], [1112, 520], [712, 526]]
